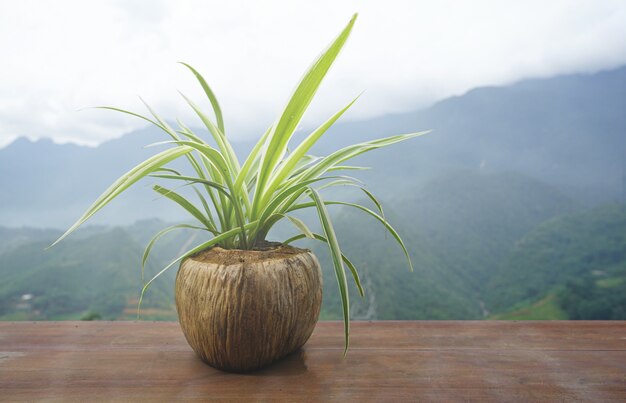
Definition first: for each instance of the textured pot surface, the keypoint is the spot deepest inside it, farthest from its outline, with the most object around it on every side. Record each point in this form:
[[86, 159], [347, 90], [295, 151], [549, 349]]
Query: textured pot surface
[[242, 310]]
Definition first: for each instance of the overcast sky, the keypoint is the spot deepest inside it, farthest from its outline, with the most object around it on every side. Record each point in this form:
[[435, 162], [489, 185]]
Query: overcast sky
[[60, 56]]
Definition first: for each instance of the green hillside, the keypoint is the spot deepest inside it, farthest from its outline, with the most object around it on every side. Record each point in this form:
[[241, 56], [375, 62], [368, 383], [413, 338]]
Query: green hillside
[[591, 243], [585, 298], [547, 308], [94, 274], [590, 298], [472, 219], [392, 292], [458, 229], [482, 244]]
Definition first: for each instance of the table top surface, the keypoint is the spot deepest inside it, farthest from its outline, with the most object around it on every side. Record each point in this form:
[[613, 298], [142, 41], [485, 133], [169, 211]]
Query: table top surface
[[398, 361]]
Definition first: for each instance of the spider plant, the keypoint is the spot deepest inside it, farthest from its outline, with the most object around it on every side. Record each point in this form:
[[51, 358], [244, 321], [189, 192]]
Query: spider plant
[[240, 202]]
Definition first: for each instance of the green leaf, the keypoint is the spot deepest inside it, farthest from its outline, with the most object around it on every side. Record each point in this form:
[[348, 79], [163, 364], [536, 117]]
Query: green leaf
[[213, 158], [249, 168], [352, 151], [273, 206], [300, 152], [355, 274], [348, 181], [191, 179], [161, 123], [212, 98], [388, 226], [347, 168], [293, 112], [300, 225], [155, 238], [184, 203], [346, 153], [376, 203], [125, 181], [192, 160], [172, 171], [132, 114], [222, 142], [336, 254], [207, 210]]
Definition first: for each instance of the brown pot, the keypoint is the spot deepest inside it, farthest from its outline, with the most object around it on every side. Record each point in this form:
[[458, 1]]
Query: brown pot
[[241, 310]]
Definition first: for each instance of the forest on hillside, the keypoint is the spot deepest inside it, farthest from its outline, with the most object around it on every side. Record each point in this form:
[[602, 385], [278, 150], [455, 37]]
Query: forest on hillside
[[571, 266]]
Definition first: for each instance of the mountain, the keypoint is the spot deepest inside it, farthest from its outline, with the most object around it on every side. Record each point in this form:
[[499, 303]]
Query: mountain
[[507, 208], [49, 185], [567, 131]]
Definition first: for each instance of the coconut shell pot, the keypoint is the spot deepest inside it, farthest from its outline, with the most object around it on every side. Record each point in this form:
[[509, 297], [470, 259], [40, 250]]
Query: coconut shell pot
[[241, 310]]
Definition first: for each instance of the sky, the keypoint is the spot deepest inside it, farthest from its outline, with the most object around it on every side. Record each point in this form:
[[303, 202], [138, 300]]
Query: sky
[[60, 58]]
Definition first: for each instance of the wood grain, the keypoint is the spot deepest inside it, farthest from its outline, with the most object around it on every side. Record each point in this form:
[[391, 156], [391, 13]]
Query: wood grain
[[388, 361], [241, 310]]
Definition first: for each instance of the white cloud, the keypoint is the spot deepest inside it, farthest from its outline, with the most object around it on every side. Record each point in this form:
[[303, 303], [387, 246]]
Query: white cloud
[[59, 57]]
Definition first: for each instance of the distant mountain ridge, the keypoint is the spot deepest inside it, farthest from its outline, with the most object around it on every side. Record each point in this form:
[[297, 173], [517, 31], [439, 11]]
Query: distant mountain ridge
[[567, 131]]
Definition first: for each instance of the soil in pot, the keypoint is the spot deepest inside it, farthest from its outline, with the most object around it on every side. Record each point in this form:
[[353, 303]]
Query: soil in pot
[[241, 310]]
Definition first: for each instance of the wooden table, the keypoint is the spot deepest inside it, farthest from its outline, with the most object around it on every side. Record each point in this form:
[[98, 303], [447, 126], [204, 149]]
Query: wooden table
[[397, 361]]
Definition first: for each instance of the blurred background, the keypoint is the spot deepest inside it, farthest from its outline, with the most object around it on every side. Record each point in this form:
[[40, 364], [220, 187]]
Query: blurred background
[[513, 207]]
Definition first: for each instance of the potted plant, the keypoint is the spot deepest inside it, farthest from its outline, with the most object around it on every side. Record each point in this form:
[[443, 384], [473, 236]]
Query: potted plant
[[244, 302]]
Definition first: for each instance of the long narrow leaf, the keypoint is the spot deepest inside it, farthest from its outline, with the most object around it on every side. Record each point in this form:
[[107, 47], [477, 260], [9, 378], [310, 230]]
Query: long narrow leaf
[[248, 170], [335, 253], [280, 198], [216, 159], [346, 153], [184, 203], [300, 151], [300, 225], [158, 235], [130, 113], [207, 210], [190, 157], [374, 200], [213, 156], [125, 181], [162, 123], [388, 226], [355, 274], [219, 137], [352, 151], [212, 98], [191, 179], [348, 168], [295, 109]]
